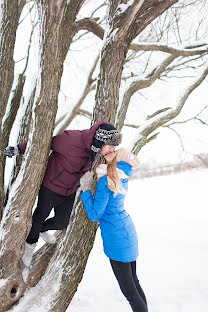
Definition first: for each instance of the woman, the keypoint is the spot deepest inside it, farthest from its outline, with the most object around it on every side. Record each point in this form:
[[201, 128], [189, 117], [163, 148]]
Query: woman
[[117, 229]]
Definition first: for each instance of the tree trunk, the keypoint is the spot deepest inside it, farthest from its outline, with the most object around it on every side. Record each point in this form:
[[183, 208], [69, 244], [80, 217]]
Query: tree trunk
[[8, 26], [22, 196]]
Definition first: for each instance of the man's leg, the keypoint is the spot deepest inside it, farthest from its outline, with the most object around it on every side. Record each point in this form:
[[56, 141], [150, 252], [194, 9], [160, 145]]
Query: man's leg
[[46, 201], [127, 285], [62, 215]]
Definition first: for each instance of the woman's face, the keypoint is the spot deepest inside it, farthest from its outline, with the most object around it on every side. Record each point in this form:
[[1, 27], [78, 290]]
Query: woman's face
[[108, 152]]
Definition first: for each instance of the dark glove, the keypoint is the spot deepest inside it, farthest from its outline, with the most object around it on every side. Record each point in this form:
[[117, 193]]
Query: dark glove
[[86, 181], [10, 151]]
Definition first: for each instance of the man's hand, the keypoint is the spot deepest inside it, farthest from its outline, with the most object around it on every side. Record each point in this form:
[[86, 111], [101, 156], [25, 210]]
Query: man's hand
[[11, 151]]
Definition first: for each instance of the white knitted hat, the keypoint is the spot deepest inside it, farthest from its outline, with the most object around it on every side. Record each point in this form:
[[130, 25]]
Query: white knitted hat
[[124, 155]]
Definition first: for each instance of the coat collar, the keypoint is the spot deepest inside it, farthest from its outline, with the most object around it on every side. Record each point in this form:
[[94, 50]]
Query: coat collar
[[101, 171]]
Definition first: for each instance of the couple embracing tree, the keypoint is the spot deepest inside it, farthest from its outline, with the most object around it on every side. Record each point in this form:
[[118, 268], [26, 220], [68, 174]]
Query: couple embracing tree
[[69, 166]]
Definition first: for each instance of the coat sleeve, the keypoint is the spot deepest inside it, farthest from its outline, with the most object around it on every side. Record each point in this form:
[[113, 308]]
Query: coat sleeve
[[61, 142], [95, 208], [22, 147]]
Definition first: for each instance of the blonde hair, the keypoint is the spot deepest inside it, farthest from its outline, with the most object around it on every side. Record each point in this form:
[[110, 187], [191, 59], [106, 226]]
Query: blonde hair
[[114, 183]]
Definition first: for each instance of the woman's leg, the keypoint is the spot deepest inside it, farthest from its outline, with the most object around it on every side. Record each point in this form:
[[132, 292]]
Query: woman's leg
[[62, 215], [123, 274], [136, 281]]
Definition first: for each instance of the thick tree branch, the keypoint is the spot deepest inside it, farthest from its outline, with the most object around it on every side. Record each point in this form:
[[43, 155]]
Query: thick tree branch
[[149, 11], [90, 25], [8, 27], [16, 98], [128, 18]]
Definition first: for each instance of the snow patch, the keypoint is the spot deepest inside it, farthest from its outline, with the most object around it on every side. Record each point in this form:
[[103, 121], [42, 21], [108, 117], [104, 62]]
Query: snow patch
[[122, 7], [16, 218], [3, 282], [49, 285]]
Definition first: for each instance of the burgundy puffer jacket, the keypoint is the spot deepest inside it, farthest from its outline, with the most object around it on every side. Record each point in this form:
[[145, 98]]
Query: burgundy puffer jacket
[[69, 160]]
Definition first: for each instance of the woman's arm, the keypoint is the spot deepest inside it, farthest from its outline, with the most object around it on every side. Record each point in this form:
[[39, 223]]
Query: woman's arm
[[95, 208]]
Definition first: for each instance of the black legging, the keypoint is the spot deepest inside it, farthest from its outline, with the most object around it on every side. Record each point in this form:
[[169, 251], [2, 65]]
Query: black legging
[[47, 200], [126, 276]]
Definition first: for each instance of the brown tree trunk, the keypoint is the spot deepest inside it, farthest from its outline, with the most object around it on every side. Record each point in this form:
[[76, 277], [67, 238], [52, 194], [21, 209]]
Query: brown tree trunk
[[8, 26], [55, 18]]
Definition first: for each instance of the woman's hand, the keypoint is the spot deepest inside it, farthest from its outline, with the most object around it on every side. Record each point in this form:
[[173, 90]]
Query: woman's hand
[[86, 181]]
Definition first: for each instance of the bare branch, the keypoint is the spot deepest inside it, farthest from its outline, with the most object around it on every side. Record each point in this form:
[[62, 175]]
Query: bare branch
[[138, 85], [20, 7], [189, 119], [90, 25], [178, 135], [85, 113], [186, 51], [158, 112], [157, 121]]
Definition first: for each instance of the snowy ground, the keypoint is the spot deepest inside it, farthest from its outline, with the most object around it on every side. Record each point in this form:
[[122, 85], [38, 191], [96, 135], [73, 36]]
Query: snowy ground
[[171, 217], [170, 214]]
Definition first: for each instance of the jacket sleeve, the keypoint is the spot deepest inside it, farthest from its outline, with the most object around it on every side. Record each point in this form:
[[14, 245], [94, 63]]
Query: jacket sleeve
[[60, 143], [22, 147], [95, 208]]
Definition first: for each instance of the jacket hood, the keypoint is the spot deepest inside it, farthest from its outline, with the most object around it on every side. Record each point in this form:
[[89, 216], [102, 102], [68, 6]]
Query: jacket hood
[[88, 134]]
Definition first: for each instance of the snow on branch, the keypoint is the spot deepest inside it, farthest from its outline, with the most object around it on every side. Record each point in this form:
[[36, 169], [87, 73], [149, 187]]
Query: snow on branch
[[159, 120], [130, 14], [185, 51]]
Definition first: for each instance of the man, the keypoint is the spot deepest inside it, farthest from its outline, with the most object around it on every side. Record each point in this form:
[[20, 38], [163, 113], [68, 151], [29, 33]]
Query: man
[[73, 154]]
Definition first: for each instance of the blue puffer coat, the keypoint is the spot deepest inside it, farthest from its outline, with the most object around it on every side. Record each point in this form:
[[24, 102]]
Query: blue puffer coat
[[117, 229]]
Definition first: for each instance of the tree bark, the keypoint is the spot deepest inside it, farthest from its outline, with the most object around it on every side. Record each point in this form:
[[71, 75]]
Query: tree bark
[[57, 20], [8, 26]]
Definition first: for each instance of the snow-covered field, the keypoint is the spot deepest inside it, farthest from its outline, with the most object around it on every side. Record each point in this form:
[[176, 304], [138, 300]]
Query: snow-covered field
[[171, 217]]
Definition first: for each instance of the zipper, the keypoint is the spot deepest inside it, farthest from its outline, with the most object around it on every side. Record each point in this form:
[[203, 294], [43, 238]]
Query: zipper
[[58, 175]]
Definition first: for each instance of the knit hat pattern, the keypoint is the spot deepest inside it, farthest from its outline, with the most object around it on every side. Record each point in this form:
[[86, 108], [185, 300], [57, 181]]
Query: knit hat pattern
[[105, 134], [124, 155]]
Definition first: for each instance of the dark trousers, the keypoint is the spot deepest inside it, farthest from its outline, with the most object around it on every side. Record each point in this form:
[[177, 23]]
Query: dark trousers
[[47, 200], [126, 276]]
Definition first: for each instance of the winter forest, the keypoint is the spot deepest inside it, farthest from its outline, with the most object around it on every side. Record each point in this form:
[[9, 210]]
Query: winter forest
[[141, 65]]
